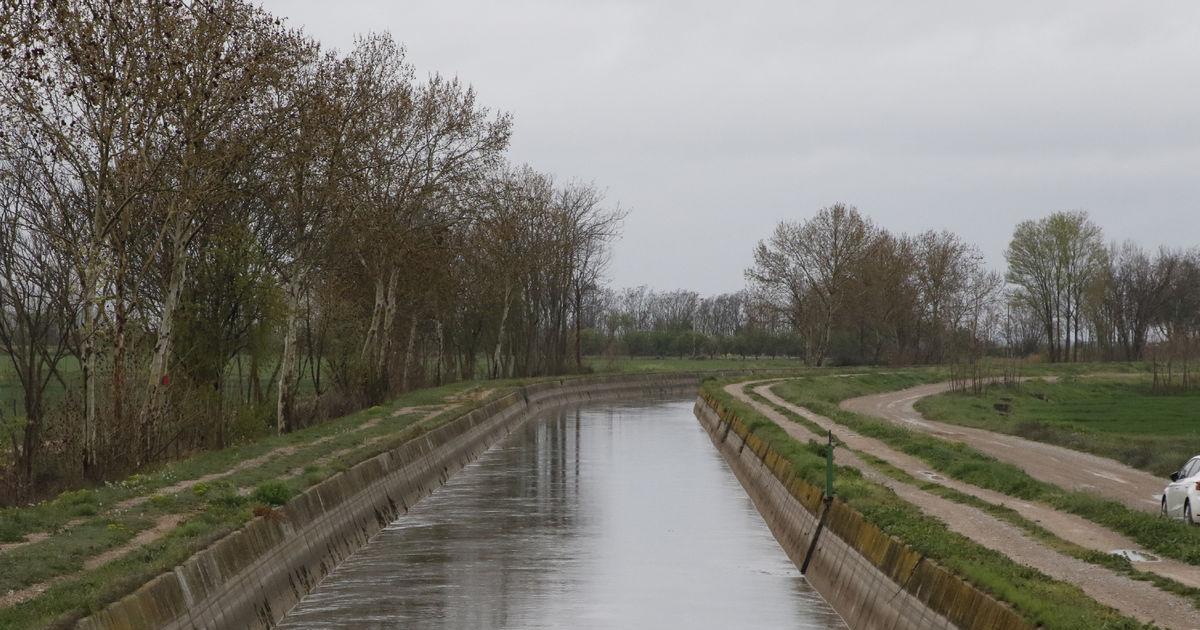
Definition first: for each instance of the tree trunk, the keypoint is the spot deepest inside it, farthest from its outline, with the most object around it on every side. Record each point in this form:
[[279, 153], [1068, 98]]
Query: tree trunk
[[369, 343], [500, 332], [120, 320], [285, 421], [33, 428], [155, 403], [578, 329], [441, 349], [391, 304], [256, 391], [408, 352], [88, 360]]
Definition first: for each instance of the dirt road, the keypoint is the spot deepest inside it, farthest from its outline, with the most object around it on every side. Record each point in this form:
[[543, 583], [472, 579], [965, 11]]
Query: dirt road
[[1137, 599], [1066, 526], [1060, 466]]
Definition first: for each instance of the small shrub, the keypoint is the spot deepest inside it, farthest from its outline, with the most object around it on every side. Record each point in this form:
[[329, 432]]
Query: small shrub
[[313, 478], [272, 493], [77, 497], [223, 494], [136, 481], [162, 501], [83, 502], [251, 423]]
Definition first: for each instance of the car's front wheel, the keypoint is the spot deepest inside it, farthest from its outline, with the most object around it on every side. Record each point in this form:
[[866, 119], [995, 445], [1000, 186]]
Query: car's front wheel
[[1163, 512], [1187, 513]]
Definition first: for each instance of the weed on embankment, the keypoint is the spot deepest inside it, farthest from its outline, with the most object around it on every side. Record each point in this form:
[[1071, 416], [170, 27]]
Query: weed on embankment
[[821, 395], [1040, 599], [209, 495]]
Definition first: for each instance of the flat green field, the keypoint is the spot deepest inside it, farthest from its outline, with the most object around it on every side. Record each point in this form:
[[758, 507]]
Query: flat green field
[[669, 364], [1111, 416]]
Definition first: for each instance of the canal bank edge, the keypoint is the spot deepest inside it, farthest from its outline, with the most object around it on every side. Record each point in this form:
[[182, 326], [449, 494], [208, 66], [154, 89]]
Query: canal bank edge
[[253, 576], [872, 579]]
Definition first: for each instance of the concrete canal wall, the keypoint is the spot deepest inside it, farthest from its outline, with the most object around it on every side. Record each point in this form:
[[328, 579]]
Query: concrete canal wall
[[870, 578], [252, 577]]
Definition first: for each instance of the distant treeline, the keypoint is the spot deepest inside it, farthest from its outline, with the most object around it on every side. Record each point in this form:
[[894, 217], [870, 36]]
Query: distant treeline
[[836, 288], [855, 292], [644, 322]]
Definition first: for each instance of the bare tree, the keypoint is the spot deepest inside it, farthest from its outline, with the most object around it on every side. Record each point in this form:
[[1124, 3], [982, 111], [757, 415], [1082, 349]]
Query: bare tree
[[1052, 262], [35, 306], [1135, 290], [813, 263]]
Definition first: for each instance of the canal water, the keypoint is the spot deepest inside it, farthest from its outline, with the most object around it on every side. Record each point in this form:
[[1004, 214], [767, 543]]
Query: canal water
[[604, 516]]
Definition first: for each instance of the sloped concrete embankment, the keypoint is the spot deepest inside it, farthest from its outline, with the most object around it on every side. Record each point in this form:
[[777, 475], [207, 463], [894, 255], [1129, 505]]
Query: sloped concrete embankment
[[872, 579], [252, 577]]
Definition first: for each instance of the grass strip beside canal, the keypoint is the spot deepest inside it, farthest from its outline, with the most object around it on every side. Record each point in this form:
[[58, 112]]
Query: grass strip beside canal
[[84, 524], [959, 461], [1038, 598]]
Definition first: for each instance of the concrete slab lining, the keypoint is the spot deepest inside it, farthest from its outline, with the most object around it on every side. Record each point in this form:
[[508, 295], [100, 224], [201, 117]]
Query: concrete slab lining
[[872, 579], [252, 577]]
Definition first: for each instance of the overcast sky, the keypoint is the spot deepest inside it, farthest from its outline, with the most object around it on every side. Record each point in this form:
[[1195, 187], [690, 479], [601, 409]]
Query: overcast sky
[[710, 121]]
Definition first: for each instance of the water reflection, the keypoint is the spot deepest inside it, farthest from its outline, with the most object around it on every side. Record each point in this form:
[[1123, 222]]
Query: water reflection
[[595, 517]]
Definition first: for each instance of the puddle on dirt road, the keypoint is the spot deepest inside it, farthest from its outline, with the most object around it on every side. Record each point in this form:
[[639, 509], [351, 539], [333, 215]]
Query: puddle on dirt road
[[1133, 555]]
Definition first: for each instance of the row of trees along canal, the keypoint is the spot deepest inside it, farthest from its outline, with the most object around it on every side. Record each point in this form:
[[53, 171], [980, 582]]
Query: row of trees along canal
[[210, 227], [838, 288]]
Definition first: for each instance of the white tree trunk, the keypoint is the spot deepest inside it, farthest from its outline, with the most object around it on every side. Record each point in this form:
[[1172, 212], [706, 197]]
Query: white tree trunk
[[500, 333], [287, 368], [155, 403], [389, 321], [166, 328], [369, 342]]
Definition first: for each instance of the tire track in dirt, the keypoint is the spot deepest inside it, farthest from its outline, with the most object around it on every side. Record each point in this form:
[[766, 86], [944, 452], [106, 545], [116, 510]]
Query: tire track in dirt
[[1066, 526], [1063, 467], [161, 528], [166, 523], [1137, 599], [186, 484]]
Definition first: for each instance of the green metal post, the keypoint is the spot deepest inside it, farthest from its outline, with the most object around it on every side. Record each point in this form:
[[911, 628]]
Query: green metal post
[[826, 501]]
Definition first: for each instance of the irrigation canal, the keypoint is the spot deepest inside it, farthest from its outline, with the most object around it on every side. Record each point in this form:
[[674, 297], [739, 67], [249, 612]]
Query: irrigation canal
[[598, 516]]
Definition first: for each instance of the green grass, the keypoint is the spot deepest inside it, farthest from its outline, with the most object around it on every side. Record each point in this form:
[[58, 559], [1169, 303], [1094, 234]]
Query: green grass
[[635, 365], [75, 598], [1118, 418], [210, 509], [1165, 537], [1040, 599], [1112, 562]]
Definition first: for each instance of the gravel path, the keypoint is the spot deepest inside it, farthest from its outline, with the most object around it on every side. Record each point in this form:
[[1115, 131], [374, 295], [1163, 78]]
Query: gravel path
[[1060, 466], [1134, 598], [1066, 526]]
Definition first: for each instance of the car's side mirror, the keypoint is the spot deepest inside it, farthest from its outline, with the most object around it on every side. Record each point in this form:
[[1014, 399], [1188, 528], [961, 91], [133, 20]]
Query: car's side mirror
[[1174, 476]]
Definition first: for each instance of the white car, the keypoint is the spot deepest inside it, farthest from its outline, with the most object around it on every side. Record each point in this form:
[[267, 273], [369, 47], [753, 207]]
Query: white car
[[1182, 496]]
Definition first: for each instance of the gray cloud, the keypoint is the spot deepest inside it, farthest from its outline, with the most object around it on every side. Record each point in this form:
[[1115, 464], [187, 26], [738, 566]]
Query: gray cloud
[[711, 121]]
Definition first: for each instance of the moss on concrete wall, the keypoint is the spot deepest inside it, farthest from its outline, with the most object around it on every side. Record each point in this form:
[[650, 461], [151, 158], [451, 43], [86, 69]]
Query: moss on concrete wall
[[870, 577], [252, 577]]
